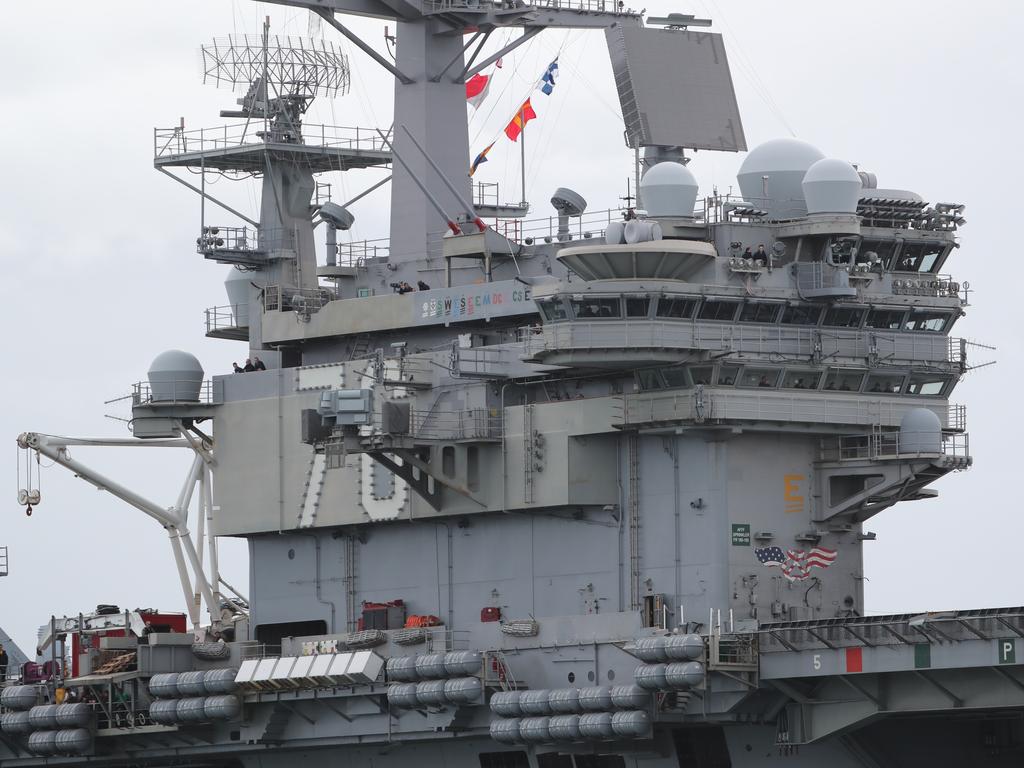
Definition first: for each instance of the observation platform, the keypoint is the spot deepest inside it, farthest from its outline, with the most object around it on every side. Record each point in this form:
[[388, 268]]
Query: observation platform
[[246, 148]]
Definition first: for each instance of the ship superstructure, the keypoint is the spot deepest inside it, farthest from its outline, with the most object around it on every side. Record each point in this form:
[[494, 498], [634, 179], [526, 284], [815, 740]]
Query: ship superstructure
[[594, 495]]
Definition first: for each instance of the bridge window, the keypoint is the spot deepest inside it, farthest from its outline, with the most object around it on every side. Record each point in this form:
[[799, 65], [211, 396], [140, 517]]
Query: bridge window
[[713, 309], [925, 384], [844, 317], [553, 310], [843, 381], [504, 760], [886, 250], [637, 306], [886, 319], [925, 320], [701, 374], [759, 312], [801, 314], [727, 375], [676, 307], [801, 379], [920, 257], [884, 383], [649, 379], [675, 376], [760, 377], [596, 308]]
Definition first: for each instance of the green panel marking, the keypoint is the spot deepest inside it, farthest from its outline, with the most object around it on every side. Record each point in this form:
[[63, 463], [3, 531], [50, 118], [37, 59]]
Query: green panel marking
[[741, 534], [1006, 650], [922, 656]]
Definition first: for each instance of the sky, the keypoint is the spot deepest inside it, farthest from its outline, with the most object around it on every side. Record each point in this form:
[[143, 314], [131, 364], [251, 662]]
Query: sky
[[102, 275]]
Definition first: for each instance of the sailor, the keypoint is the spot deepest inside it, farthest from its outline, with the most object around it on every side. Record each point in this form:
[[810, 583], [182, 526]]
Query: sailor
[[747, 254], [249, 367], [404, 287], [422, 286], [764, 379], [3, 664], [258, 364], [761, 254], [236, 368]]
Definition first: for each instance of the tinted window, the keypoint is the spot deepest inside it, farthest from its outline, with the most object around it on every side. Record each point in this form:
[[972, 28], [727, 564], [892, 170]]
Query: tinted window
[[919, 257], [844, 317], [759, 377], [554, 310], [701, 374], [675, 307], [649, 379], [504, 760], [718, 310], [801, 379], [596, 308], [727, 375], [801, 314], [923, 384], [888, 319], [754, 312], [843, 381], [637, 307], [884, 383], [676, 376], [924, 320], [885, 249]]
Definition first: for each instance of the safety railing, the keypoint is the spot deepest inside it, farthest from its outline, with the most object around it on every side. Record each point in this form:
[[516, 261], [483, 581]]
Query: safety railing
[[925, 349], [591, 6], [171, 142], [227, 318], [178, 391], [894, 444], [355, 253], [938, 286], [468, 424], [252, 649], [702, 406]]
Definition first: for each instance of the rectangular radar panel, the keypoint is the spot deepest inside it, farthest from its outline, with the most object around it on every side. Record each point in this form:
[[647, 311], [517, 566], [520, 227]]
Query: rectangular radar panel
[[675, 88]]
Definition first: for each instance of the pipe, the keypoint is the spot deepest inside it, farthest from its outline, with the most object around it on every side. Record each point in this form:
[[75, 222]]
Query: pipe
[[430, 198], [469, 209], [317, 583]]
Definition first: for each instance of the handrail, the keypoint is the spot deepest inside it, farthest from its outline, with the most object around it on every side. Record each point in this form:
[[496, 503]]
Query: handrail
[[172, 142]]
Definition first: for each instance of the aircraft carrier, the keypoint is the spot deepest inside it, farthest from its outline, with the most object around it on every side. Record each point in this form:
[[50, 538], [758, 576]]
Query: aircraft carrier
[[580, 491]]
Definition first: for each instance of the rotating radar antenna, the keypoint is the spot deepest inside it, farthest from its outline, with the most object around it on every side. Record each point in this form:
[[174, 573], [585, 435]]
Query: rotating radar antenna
[[281, 74]]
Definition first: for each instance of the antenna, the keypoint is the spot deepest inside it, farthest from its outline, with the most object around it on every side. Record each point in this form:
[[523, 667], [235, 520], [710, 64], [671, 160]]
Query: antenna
[[281, 74]]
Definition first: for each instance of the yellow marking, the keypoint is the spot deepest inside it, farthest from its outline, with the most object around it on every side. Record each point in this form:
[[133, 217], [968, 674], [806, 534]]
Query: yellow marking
[[794, 502]]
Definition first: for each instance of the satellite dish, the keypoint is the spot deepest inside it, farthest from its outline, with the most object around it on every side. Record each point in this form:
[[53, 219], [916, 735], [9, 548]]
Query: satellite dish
[[336, 216], [568, 203]]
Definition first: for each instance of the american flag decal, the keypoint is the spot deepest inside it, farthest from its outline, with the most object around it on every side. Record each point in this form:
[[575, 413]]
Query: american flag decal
[[795, 563]]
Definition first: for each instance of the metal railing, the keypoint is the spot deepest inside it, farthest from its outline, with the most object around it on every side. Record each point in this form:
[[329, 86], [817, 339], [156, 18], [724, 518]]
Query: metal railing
[[251, 649], [933, 350], [171, 142], [880, 445], [700, 406], [355, 253], [227, 318], [925, 284], [176, 391], [592, 6], [468, 424]]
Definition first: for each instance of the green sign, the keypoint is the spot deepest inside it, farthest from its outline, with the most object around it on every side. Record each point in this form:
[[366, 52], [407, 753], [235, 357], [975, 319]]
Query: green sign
[[922, 656], [741, 534], [1007, 651]]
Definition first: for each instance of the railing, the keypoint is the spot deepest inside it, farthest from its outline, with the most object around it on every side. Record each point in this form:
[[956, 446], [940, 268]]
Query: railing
[[469, 424], [233, 240], [354, 254], [896, 629], [590, 225], [886, 445], [176, 391], [929, 349], [276, 298], [171, 142], [592, 6], [227, 318], [701, 406], [252, 649], [924, 284]]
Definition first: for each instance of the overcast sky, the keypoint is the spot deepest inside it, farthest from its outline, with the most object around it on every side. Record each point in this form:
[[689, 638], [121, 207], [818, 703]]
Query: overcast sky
[[99, 248]]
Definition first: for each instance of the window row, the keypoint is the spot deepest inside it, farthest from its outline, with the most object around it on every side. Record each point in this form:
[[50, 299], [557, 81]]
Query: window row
[[567, 308], [794, 377]]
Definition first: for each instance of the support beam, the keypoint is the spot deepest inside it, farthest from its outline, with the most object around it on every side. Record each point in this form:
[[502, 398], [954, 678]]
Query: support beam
[[862, 691], [527, 35], [956, 700], [358, 42], [437, 78], [210, 197]]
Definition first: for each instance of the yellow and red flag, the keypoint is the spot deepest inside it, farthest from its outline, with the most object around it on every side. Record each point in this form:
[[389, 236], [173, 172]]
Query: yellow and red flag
[[523, 116]]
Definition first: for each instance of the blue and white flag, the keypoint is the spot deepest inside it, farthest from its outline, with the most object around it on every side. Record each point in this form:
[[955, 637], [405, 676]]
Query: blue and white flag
[[547, 82]]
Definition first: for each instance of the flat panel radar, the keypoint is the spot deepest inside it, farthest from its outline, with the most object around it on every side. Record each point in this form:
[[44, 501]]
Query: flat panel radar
[[693, 107]]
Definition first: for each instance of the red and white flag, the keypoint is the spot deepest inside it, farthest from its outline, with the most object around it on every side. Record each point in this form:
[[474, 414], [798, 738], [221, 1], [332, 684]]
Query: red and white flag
[[476, 89]]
